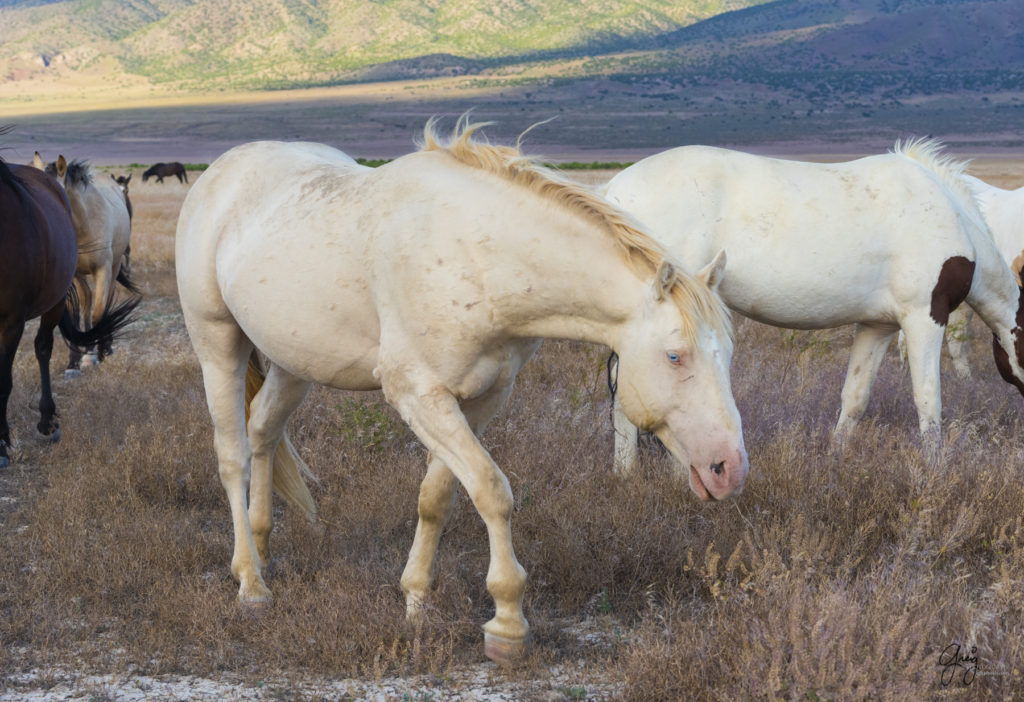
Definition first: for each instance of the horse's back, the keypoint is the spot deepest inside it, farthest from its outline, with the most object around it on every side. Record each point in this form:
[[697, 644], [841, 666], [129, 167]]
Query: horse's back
[[812, 233]]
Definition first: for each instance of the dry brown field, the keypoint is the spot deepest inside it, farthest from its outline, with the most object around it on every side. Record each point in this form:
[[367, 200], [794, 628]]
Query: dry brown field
[[837, 575]]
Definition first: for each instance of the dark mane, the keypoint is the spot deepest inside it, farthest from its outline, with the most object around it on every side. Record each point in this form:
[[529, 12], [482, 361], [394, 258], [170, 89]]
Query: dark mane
[[7, 177], [79, 173]]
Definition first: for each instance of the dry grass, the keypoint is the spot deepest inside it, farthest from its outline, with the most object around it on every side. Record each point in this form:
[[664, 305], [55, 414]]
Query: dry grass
[[834, 576]]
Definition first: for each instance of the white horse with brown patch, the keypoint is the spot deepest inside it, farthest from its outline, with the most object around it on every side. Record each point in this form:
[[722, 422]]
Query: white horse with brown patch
[[103, 229], [433, 277], [1004, 213], [888, 242]]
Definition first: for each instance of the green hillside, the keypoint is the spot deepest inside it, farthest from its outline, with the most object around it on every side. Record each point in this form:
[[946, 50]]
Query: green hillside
[[209, 44]]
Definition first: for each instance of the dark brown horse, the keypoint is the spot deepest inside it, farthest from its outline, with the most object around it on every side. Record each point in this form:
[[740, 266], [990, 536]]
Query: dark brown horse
[[159, 170], [38, 257]]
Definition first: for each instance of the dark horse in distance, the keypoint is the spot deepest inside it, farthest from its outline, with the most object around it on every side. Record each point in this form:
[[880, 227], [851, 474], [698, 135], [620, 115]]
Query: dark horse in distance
[[38, 256], [159, 170]]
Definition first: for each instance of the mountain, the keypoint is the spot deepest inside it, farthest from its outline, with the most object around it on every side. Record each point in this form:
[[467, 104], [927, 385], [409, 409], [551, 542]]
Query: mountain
[[625, 74], [204, 44]]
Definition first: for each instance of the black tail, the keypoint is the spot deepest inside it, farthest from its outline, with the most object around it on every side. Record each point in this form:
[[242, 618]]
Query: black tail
[[124, 279], [105, 329]]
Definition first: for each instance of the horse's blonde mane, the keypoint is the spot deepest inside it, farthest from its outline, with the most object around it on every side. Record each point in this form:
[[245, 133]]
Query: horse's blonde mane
[[950, 172], [642, 253]]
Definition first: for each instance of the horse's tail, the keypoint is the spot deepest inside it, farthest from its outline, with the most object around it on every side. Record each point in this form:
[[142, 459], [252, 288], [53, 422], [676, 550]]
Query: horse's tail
[[290, 471], [103, 331], [124, 275]]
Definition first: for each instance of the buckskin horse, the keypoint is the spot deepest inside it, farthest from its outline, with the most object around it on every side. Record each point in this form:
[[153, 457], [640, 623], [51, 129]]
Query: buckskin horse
[[103, 229]]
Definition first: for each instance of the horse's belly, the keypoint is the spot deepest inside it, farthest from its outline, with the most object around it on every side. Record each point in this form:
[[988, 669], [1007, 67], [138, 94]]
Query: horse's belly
[[308, 327], [806, 306]]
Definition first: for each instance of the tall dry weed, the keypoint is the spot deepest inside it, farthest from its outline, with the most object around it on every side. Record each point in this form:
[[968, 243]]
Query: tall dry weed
[[837, 574]]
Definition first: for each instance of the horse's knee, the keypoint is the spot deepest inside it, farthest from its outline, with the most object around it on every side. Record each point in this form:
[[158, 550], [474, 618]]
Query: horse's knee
[[496, 501]]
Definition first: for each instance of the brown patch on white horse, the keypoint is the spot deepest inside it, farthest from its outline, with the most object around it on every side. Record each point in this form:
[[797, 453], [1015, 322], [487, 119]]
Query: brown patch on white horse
[[953, 286]]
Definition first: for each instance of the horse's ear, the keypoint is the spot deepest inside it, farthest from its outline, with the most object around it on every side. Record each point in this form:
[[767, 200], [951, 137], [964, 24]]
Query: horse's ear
[[712, 273], [113, 178], [62, 166], [127, 180], [38, 162], [664, 279]]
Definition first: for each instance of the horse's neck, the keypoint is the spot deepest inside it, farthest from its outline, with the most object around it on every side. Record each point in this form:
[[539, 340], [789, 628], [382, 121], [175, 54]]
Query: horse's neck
[[569, 281]]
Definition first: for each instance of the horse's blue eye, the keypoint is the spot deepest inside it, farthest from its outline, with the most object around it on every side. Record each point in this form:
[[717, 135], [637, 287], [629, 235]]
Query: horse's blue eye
[[673, 357]]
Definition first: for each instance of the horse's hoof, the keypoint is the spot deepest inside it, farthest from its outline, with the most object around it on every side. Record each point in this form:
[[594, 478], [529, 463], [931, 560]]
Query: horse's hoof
[[90, 360], [52, 438], [256, 597], [72, 373], [504, 651]]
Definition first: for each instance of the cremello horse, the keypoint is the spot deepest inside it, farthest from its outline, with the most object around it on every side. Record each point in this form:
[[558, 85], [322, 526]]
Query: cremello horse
[[103, 228], [1004, 213], [433, 277], [888, 242]]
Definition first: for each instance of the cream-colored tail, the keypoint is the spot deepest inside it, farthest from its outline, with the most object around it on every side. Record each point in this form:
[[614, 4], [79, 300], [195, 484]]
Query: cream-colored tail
[[289, 469]]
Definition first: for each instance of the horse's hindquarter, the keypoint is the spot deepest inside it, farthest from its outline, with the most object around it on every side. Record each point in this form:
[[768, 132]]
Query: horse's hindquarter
[[39, 267], [262, 238], [808, 245], [102, 226]]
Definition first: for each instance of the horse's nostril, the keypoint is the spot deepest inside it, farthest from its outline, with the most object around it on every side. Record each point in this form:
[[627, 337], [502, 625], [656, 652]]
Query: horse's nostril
[[716, 468]]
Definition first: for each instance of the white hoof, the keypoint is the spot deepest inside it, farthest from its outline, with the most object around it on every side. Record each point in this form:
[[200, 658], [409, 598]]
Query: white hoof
[[72, 373], [90, 360]]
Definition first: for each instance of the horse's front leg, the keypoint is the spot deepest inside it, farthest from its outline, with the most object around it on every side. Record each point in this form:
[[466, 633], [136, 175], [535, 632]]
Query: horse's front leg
[[866, 354], [437, 497], [924, 347], [434, 414], [47, 426]]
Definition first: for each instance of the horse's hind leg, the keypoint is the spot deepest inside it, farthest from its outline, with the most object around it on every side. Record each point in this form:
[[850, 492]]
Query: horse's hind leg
[[281, 393], [223, 352], [103, 294], [84, 293], [47, 426], [866, 354], [10, 337]]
